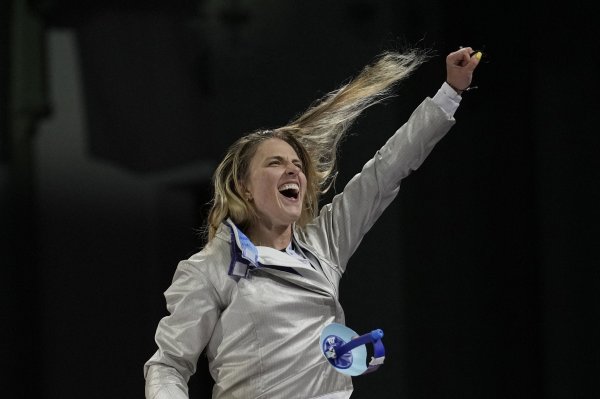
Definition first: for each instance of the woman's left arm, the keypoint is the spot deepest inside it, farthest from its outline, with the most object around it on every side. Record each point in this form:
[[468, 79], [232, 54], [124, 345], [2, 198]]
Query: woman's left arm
[[341, 225]]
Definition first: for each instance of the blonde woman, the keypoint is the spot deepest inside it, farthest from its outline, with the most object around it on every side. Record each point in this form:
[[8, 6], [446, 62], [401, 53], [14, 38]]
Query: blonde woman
[[258, 295]]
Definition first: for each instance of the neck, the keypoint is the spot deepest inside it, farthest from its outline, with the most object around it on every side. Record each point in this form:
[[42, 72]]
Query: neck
[[278, 237]]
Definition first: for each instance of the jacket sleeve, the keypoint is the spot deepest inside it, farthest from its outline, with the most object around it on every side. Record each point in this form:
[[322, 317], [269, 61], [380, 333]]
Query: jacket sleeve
[[341, 225], [194, 307]]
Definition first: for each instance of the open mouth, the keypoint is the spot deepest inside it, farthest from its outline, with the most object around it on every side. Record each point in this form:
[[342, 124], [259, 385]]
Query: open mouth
[[289, 190]]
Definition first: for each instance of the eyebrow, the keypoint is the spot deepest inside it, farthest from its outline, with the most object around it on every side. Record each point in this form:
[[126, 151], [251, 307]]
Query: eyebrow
[[280, 158]]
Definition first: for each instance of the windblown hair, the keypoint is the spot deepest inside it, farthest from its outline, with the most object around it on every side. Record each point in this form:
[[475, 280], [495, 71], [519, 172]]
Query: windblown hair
[[315, 135]]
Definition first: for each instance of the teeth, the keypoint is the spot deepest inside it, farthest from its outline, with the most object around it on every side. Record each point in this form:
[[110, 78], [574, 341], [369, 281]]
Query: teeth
[[289, 186]]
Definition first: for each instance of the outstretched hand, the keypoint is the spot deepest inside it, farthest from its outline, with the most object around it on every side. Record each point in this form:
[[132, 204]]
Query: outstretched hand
[[460, 66]]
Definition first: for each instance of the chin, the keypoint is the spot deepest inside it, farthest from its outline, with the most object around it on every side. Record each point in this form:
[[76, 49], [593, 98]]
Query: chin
[[293, 218]]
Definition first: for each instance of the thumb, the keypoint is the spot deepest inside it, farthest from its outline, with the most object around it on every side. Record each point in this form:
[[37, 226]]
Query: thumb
[[474, 61]]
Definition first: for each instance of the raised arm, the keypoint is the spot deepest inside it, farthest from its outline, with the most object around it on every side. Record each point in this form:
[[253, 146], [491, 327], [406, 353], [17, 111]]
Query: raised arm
[[341, 225]]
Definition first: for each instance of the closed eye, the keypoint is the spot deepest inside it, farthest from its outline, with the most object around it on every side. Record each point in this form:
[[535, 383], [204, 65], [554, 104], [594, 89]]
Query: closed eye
[[276, 161]]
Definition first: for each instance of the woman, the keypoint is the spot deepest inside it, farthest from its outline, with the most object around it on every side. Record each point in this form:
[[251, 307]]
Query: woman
[[258, 295]]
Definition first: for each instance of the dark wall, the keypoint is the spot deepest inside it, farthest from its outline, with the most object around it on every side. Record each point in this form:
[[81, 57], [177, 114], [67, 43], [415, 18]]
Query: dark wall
[[483, 273]]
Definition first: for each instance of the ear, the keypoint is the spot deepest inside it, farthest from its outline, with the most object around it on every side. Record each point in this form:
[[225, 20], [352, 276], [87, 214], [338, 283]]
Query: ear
[[245, 192]]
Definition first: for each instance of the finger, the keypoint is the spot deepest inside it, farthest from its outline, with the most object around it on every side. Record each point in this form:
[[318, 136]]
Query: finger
[[467, 50], [460, 57], [461, 48]]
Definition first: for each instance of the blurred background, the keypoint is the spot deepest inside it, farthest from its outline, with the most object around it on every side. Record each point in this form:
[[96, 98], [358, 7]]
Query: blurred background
[[113, 114]]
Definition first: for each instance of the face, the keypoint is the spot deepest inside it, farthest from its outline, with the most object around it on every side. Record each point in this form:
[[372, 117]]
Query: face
[[276, 183]]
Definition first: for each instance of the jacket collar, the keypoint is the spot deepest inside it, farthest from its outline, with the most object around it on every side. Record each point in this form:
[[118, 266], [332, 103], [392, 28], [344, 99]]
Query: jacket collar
[[245, 256]]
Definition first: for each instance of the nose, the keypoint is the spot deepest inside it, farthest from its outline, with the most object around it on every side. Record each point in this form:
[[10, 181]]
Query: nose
[[292, 169]]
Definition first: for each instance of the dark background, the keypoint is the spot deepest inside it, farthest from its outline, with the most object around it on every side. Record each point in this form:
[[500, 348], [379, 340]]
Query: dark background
[[483, 273]]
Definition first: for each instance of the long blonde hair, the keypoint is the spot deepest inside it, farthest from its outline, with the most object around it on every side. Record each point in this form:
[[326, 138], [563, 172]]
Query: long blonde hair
[[315, 135]]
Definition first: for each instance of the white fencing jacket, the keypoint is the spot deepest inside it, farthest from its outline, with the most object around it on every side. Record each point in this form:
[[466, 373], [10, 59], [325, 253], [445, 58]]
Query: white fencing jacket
[[260, 327]]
